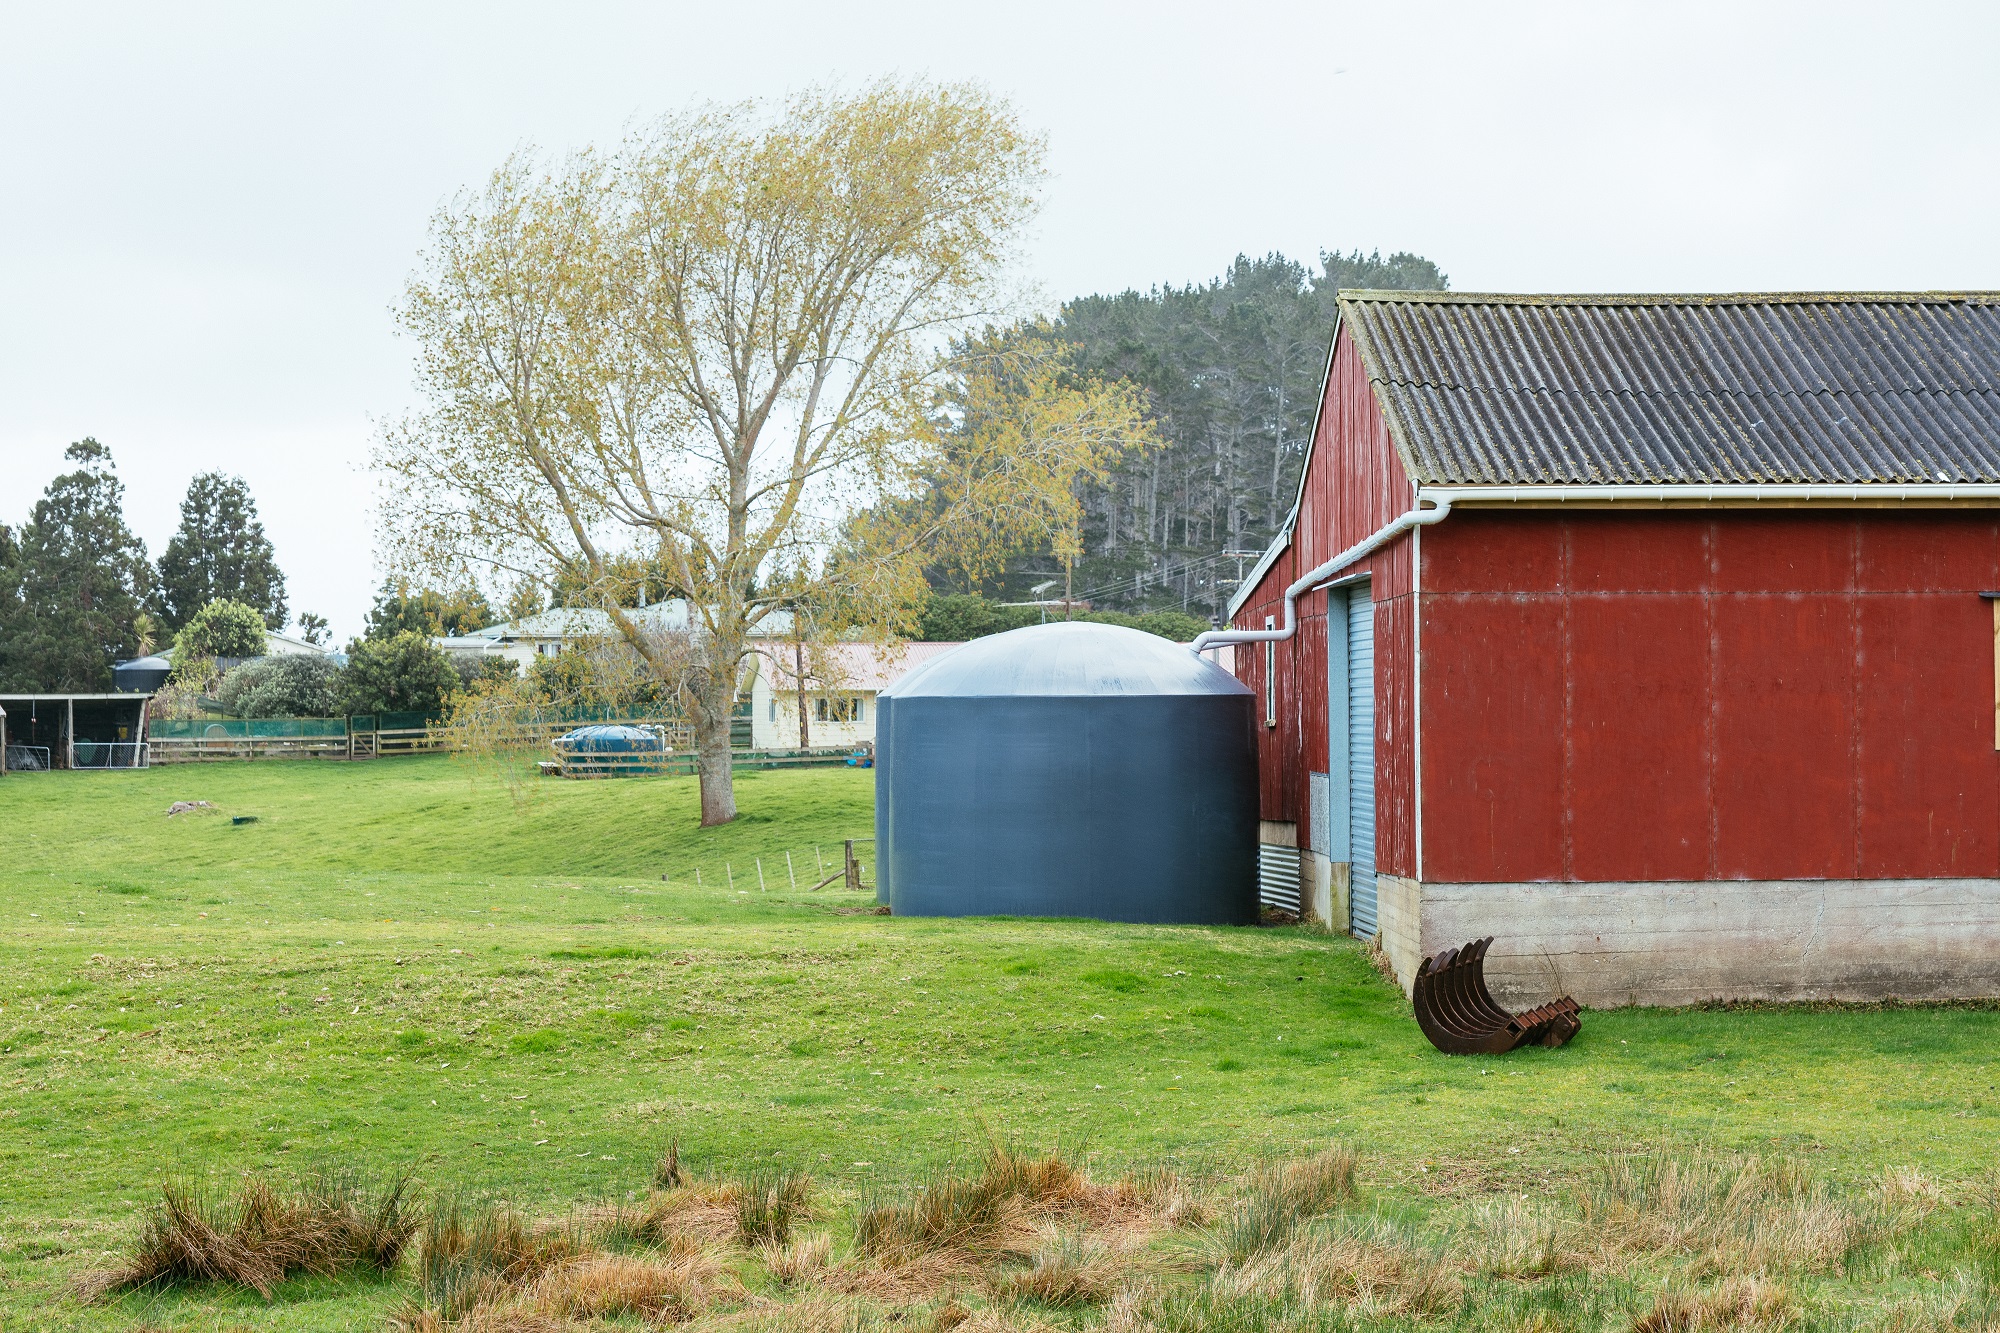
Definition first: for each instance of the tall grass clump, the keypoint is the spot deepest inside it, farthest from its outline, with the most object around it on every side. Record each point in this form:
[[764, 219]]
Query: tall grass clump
[[769, 1202], [328, 1224], [1280, 1197], [1730, 1215], [1067, 1271], [977, 1217], [1366, 1263], [1737, 1303], [471, 1255]]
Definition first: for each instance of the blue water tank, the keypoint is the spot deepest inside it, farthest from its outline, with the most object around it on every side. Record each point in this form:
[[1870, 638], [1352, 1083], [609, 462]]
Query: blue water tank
[[611, 740], [1068, 770], [141, 675]]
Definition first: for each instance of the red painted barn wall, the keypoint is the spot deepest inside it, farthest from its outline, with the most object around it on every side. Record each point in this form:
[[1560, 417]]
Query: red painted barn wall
[[1355, 484], [1722, 694]]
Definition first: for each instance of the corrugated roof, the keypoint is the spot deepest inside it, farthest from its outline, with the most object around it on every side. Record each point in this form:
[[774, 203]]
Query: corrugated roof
[[1790, 387]]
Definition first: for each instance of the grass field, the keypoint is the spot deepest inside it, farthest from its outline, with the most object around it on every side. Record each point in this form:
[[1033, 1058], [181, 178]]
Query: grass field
[[404, 965]]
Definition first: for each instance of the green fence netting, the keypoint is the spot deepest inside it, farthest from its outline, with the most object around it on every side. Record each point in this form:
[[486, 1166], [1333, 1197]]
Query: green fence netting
[[246, 728]]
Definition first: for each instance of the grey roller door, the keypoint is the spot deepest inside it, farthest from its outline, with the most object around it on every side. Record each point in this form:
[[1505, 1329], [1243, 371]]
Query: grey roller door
[[1361, 756]]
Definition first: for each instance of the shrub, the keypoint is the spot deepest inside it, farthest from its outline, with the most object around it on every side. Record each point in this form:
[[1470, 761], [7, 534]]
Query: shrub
[[220, 629], [291, 685], [405, 673], [473, 668]]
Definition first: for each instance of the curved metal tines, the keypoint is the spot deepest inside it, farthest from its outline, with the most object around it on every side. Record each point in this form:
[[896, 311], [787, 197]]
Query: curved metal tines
[[1460, 1017]]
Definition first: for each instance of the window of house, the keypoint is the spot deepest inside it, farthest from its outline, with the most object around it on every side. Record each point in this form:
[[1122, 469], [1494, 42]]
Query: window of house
[[839, 708], [1270, 676]]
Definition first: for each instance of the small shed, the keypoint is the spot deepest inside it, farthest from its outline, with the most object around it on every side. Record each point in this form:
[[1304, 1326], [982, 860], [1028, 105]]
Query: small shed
[[1652, 635], [61, 731]]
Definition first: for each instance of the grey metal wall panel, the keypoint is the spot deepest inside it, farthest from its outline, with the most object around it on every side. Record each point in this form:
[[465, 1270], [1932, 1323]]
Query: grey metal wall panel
[[1361, 757], [1319, 805], [1278, 876]]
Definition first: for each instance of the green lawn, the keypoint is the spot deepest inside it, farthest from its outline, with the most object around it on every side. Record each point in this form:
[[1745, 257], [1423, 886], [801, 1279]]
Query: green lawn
[[404, 963]]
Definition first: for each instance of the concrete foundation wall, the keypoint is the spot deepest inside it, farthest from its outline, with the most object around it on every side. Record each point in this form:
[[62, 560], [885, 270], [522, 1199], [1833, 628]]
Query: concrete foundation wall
[[1323, 892], [1682, 943], [1399, 904]]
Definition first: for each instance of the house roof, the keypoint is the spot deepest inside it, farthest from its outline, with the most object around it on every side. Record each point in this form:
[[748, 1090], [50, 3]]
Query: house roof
[[591, 623], [1853, 387]]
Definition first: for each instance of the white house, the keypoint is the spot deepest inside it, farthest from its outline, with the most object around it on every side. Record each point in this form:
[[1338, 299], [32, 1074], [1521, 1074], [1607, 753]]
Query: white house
[[840, 690], [284, 645]]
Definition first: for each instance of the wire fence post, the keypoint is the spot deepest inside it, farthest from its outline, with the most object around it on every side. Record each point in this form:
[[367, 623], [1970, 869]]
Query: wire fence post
[[819, 862], [760, 874], [790, 873], [697, 877], [730, 871], [853, 868]]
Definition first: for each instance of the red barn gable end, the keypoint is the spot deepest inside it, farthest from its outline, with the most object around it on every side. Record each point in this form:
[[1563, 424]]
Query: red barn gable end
[[1684, 688]]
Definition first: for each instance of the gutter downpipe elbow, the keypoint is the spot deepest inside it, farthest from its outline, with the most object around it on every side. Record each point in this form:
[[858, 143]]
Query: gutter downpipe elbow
[[1440, 506]]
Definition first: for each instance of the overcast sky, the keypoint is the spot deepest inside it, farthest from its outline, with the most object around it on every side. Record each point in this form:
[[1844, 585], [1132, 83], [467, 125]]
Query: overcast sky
[[207, 211]]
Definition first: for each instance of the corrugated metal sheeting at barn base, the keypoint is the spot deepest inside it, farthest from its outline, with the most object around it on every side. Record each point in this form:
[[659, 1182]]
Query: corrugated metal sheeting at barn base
[[1666, 745]]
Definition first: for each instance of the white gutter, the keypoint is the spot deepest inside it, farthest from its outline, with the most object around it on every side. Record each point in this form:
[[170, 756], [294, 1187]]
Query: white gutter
[[1442, 498], [1718, 493], [1382, 536]]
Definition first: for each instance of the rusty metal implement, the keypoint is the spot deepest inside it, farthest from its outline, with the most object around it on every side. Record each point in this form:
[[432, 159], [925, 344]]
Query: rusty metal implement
[[1459, 1015]]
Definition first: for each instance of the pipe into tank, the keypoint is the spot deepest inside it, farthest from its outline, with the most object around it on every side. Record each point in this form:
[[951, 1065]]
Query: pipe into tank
[[1388, 532]]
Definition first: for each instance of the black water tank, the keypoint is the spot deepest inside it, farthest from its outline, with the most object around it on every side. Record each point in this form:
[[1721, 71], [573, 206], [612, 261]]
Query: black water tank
[[141, 675], [1068, 770]]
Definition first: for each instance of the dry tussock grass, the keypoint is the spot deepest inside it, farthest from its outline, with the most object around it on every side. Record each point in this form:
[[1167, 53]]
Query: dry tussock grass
[[1910, 1193], [1738, 1303], [600, 1286], [934, 1276], [1964, 1305], [1733, 1215], [1513, 1238], [705, 1210], [1067, 1271], [799, 1262], [1280, 1197], [955, 1227], [501, 1315], [331, 1224], [473, 1261], [768, 1203], [1367, 1265]]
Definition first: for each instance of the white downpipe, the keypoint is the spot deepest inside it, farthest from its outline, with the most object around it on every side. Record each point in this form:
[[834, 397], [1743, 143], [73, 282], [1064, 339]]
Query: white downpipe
[[1418, 517], [1442, 498]]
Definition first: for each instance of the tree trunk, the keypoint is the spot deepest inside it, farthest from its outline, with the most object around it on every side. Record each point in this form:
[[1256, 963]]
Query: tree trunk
[[711, 748], [799, 682]]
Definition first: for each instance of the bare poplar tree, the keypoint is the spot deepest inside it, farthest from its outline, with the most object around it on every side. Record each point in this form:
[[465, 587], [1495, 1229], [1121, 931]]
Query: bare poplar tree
[[710, 350]]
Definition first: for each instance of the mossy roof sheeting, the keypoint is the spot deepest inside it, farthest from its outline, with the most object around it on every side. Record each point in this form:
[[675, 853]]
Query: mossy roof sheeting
[[1724, 388]]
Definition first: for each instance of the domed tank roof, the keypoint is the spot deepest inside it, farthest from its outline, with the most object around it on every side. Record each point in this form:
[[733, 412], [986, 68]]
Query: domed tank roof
[[609, 738], [144, 664], [1067, 659]]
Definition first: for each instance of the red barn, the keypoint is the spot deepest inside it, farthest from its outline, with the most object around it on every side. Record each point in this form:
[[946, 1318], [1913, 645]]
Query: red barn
[[1652, 635]]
